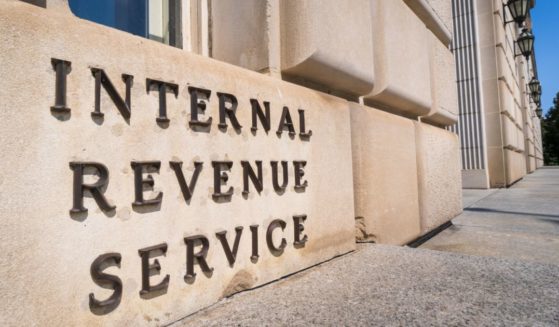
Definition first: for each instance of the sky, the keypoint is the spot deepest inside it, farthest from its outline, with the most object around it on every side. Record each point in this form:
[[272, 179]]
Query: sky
[[545, 20]]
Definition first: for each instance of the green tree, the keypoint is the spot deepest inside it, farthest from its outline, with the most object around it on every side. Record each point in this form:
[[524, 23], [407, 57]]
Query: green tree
[[550, 134]]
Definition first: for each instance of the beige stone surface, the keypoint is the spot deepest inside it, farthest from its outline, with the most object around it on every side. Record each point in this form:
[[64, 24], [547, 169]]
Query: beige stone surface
[[247, 34], [240, 33], [438, 171], [496, 162], [58, 5], [515, 166], [531, 164], [444, 90], [443, 10], [401, 65], [328, 42], [504, 78], [494, 129], [436, 15], [385, 176], [48, 253], [512, 134], [475, 179]]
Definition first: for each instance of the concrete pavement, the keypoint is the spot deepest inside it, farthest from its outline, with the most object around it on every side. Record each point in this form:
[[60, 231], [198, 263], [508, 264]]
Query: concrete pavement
[[521, 222], [498, 265]]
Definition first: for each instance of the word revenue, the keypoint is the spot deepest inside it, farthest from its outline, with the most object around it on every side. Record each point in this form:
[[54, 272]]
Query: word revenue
[[198, 102], [197, 248], [143, 180]]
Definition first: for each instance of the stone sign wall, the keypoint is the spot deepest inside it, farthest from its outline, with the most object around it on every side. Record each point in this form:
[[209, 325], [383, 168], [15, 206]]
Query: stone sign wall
[[141, 183]]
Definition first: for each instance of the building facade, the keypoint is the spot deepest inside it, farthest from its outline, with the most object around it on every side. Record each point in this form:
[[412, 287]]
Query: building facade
[[161, 155], [499, 127]]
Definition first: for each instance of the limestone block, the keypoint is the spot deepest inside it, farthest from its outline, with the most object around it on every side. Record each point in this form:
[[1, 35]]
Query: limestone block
[[385, 176], [486, 35], [436, 15], [530, 164], [328, 42], [438, 171], [444, 90], [49, 251], [483, 6], [402, 82], [520, 139], [510, 133], [496, 165], [515, 166], [530, 148], [494, 129], [475, 179], [241, 32], [490, 89], [443, 10]]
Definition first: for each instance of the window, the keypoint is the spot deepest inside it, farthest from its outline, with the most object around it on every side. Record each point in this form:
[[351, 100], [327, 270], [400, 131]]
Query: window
[[157, 20]]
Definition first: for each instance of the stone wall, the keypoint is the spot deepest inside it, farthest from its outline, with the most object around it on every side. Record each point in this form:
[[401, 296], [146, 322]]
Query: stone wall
[[508, 112], [357, 98]]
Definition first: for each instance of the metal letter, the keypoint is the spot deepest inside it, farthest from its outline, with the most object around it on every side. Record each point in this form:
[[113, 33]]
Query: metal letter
[[278, 223], [140, 182], [149, 269], [277, 187], [62, 68], [258, 113], [298, 229], [302, 133], [254, 232], [199, 257], [105, 281], [256, 179], [123, 106], [94, 189], [162, 87], [299, 173], [286, 121], [229, 112], [198, 104], [230, 254], [187, 189], [220, 178]]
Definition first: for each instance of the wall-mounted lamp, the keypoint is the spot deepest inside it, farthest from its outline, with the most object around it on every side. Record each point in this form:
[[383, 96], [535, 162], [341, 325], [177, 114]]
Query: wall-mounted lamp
[[525, 43], [535, 90], [518, 10], [539, 112], [535, 86], [537, 98]]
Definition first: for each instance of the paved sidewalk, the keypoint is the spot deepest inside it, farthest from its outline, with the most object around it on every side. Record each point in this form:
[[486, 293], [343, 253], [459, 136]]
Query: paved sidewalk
[[521, 222], [396, 286], [506, 273]]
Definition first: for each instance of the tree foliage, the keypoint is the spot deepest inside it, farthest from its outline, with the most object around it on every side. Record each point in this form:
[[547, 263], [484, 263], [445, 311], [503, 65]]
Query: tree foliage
[[550, 134]]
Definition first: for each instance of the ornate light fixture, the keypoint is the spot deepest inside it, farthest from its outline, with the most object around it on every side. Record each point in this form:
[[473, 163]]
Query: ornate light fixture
[[518, 10], [535, 90], [539, 112], [535, 86], [537, 98], [525, 43]]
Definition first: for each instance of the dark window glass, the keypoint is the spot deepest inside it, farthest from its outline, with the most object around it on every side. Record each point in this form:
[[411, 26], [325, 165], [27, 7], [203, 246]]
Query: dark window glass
[[154, 19]]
